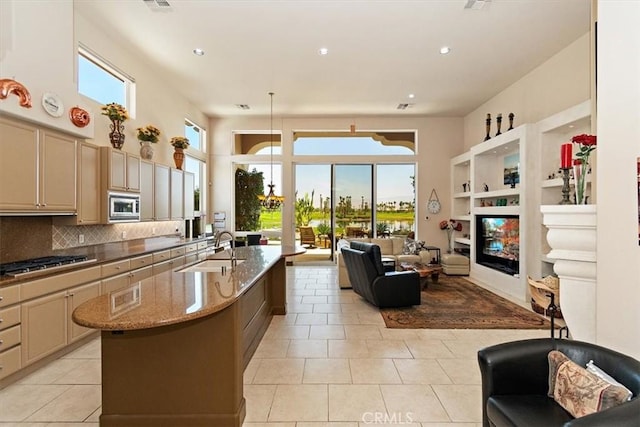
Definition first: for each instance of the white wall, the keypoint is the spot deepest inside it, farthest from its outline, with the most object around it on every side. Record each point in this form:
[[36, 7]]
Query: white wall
[[559, 83], [439, 139], [618, 277]]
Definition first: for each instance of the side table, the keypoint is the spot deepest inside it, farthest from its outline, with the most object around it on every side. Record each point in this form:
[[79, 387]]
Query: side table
[[434, 249]]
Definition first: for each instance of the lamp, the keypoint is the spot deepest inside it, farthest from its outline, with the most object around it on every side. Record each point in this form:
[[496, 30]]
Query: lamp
[[271, 201]]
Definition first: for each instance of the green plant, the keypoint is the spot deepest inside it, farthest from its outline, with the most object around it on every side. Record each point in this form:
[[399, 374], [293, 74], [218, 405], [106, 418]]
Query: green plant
[[115, 112], [148, 133], [179, 142], [304, 209], [249, 185], [323, 228], [382, 228]]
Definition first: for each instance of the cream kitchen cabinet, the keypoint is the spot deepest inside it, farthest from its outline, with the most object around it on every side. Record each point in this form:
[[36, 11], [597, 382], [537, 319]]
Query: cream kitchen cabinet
[[161, 192], [146, 190], [10, 331], [120, 170], [177, 195], [37, 169], [189, 187]]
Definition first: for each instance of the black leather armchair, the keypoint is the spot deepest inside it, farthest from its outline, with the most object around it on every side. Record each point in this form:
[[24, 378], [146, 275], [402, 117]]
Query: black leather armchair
[[515, 384], [369, 280]]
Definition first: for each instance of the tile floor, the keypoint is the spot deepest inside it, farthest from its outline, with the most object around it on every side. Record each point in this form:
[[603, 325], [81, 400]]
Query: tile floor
[[330, 362]]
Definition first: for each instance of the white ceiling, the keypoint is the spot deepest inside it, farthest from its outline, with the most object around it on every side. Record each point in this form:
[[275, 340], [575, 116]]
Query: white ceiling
[[380, 51]]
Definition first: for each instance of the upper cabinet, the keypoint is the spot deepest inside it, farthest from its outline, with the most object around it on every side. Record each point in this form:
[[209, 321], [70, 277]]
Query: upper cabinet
[[120, 170], [146, 190], [177, 194], [37, 169], [189, 201]]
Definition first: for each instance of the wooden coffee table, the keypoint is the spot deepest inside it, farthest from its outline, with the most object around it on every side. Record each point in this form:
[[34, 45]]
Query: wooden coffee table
[[424, 270]]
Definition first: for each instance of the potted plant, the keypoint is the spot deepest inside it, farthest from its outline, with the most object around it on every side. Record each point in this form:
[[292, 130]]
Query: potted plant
[[179, 144], [147, 135], [117, 114]]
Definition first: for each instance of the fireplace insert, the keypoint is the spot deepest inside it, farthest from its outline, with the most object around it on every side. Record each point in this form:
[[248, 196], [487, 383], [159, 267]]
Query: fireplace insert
[[498, 242]]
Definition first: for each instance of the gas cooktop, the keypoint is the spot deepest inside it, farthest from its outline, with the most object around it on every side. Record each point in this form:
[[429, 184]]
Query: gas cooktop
[[38, 265]]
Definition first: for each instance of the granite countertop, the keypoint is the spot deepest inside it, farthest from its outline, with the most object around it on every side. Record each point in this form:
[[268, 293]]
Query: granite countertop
[[174, 297], [109, 252]]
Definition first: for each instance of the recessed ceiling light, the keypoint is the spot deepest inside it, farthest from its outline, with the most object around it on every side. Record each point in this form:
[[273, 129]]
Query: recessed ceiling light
[[412, 95], [243, 106], [445, 50], [323, 51], [197, 51]]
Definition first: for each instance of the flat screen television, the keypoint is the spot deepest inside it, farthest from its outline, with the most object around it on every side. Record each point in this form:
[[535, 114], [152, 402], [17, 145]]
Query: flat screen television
[[498, 242]]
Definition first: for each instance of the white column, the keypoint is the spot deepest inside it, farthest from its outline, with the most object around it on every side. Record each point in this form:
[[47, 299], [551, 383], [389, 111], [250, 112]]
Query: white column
[[572, 238]]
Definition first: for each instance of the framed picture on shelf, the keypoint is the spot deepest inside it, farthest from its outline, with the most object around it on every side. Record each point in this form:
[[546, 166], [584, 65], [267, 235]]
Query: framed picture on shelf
[[511, 169]]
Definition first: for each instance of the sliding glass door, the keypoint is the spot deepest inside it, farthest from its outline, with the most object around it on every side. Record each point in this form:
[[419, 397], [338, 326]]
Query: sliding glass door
[[352, 200]]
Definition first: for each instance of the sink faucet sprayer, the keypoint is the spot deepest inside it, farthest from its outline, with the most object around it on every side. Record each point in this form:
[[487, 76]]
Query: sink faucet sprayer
[[234, 260]]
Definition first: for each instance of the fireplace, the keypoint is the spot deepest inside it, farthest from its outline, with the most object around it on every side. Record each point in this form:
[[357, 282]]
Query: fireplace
[[498, 242]]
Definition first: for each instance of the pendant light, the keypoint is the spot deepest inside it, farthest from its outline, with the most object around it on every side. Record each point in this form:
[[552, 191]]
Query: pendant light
[[271, 201]]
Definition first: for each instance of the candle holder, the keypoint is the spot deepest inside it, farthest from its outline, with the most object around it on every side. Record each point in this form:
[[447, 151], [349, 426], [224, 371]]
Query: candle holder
[[499, 124], [488, 127], [565, 187]]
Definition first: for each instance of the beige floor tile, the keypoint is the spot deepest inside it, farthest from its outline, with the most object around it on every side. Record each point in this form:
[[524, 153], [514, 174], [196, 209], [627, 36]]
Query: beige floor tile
[[317, 286], [428, 349], [301, 291], [399, 334], [327, 371], [330, 332], [250, 371], [359, 305], [272, 348], [393, 419], [304, 402], [462, 371], [327, 308], [287, 332], [388, 349], [362, 332], [413, 403], [328, 424], [371, 318], [435, 334], [91, 350], [95, 417], [463, 403], [311, 319], [343, 319], [86, 372], [451, 424], [75, 404], [279, 371], [340, 299], [314, 299], [17, 402], [287, 319], [421, 371], [258, 401], [465, 349], [348, 348], [299, 308], [352, 402], [51, 372], [307, 348], [249, 424], [374, 371]]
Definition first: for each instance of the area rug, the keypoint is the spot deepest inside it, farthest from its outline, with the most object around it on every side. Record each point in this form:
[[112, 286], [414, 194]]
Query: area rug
[[456, 303]]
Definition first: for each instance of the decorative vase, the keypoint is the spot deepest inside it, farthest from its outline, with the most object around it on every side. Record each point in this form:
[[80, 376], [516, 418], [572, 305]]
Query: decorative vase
[[116, 136], [451, 240], [146, 150], [178, 157], [580, 180]]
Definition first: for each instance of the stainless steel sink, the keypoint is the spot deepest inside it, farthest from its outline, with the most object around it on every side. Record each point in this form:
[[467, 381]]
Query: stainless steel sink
[[211, 265]]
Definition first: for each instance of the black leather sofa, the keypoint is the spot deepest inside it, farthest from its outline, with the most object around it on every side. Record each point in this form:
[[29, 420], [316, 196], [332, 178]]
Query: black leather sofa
[[515, 384], [369, 279]]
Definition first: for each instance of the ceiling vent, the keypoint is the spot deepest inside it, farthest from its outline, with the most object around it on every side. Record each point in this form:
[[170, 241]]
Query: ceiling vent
[[476, 4], [243, 106], [404, 106], [158, 5]]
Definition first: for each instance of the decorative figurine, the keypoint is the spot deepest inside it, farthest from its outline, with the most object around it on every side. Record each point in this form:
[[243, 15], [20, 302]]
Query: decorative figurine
[[485, 187], [464, 187], [565, 187], [511, 116], [512, 179], [8, 86], [499, 123], [488, 126]]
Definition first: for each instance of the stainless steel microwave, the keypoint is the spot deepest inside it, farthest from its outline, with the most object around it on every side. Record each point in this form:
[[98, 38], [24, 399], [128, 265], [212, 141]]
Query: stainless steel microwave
[[124, 207]]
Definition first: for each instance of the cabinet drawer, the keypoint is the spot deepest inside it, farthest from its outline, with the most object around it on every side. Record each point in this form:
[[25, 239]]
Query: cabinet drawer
[[191, 248], [162, 266], [202, 245], [141, 274], [9, 295], [161, 256], [114, 268], [115, 282], [141, 261], [9, 337], [59, 282], [176, 252], [190, 258], [9, 317], [10, 361]]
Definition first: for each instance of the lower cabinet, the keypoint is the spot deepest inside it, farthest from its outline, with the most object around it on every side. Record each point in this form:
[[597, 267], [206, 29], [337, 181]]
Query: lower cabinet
[[46, 322]]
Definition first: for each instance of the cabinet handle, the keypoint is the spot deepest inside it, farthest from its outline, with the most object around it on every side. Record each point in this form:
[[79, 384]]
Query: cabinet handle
[[1, 320], [118, 268], [1, 342], [1, 298], [71, 294]]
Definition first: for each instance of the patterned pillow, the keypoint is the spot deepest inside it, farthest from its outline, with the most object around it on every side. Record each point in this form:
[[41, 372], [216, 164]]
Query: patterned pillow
[[410, 247], [578, 391]]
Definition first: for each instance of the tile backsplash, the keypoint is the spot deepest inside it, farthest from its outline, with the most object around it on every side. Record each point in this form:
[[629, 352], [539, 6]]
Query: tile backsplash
[[24, 237]]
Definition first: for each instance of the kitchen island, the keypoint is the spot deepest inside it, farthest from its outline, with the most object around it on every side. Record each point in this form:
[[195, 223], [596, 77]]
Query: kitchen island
[[175, 345]]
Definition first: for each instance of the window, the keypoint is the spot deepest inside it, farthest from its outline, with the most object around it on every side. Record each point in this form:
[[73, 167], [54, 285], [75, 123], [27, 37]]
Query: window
[[199, 169], [361, 143], [196, 136], [195, 162], [102, 82]]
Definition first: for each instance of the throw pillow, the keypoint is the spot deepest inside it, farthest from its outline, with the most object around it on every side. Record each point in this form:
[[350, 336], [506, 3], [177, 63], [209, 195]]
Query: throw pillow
[[595, 370], [577, 390], [409, 247]]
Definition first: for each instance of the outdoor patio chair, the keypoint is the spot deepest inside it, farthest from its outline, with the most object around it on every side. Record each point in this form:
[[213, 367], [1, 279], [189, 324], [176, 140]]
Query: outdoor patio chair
[[307, 236]]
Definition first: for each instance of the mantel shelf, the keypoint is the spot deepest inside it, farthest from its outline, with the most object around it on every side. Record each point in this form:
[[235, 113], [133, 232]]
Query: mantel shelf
[[497, 210], [497, 193]]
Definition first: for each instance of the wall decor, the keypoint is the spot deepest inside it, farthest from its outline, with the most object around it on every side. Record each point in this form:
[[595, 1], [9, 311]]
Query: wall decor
[[488, 127], [79, 117], [8, 86], [499, 123], [511, 116], [511, 170], [52, 104]]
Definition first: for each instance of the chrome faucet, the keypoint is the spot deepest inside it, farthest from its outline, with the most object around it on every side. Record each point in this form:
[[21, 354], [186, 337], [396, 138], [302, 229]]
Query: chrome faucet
[[234, 260]]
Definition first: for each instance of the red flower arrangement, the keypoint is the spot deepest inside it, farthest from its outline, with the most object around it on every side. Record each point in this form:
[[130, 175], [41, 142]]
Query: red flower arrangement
[[587, 144], [452, 224]]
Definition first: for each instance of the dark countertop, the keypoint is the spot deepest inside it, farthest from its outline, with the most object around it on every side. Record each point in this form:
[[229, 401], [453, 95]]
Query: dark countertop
[[109, 252], [174, 296]]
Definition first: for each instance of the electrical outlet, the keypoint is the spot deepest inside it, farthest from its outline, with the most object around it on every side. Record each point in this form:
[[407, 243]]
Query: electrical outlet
[[153, 231], [124, 234], [80, 238]]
